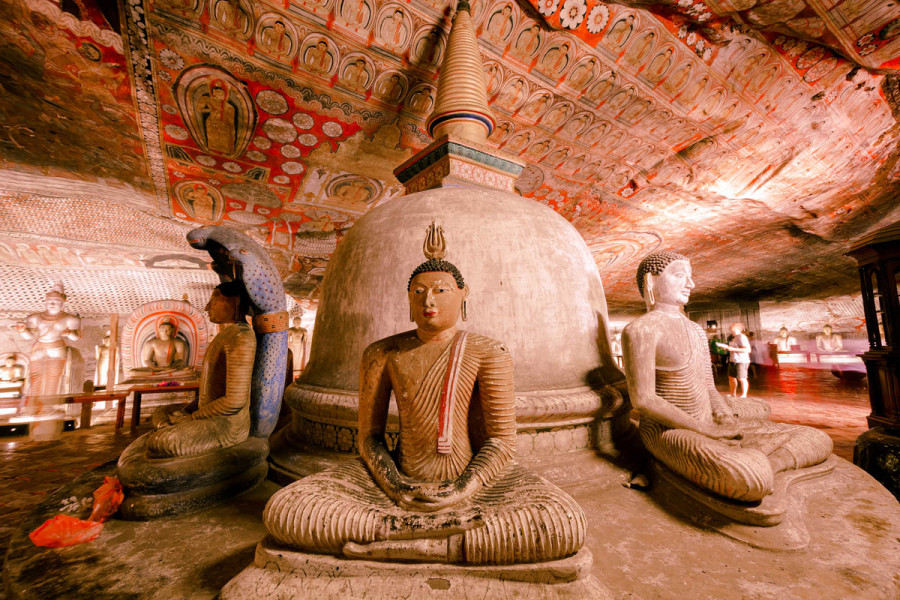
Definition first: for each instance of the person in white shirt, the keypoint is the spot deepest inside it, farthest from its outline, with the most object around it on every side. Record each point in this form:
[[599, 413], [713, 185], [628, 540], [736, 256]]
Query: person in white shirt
[[738, 360]]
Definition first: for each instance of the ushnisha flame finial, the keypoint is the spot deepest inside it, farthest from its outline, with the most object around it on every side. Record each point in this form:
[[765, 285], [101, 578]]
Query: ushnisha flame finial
[[461, 108], [435, 246]]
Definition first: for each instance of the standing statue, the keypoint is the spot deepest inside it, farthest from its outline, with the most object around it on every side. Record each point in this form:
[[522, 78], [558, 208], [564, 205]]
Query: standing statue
[[50, 355], [731, 449], [451, 491], [217, 446], [298, 341], [828, 341], [101, 371]]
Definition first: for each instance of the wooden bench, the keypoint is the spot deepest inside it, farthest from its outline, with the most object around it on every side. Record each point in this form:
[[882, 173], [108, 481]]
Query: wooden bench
[[85, 399]]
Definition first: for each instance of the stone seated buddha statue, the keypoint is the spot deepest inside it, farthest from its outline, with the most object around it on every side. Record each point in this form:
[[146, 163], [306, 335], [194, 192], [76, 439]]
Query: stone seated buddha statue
[[164, 353], [451, 491], [12, 377], [201, 451], [737, 462]]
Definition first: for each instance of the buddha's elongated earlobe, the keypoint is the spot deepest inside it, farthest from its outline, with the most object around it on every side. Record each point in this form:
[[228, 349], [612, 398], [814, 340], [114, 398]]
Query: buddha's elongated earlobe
[[649, 295], [464, 315], [412, 318]]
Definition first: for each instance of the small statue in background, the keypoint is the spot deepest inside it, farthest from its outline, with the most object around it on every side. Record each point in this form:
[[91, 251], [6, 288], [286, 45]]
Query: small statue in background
[[828, 341], [101, 352], [297, 341], [11, 372], [452, 491], [731, 449], [50, 329], [165, 352], [785, 340]]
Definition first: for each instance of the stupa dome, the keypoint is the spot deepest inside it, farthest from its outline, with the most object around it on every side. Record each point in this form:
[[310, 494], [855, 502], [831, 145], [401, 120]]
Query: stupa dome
[[533, 285]]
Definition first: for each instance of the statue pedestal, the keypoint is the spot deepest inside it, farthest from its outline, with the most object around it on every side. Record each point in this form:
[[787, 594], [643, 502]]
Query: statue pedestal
[[775, 523], [877, 452], [161, 487], [281, 573]]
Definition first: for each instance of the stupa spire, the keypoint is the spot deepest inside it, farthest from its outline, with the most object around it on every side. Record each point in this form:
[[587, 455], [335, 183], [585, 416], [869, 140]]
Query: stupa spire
[[461, 108]]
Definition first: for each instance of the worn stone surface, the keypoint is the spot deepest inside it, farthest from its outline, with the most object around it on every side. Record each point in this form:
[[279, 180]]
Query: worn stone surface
[[640, 551], [278, 573]]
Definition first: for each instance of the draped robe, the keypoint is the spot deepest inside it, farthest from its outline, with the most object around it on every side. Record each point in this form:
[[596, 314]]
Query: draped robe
[[519, 517], [736, 469]]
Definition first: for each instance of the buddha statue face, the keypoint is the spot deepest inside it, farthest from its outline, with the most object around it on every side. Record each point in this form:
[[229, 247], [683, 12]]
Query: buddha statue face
[[221, 308], [435, 302], [166, 331], [827, 330], [674, 284], [783, 332]]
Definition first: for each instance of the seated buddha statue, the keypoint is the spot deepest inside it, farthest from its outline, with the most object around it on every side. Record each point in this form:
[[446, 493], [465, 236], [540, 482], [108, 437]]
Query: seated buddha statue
[[164, 352], [451, 491], [220, 417], [201, 453], [12, 376], [731, 450], [828, 341]]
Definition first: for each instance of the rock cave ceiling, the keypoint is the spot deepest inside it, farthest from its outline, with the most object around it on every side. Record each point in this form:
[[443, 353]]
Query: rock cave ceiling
[[757, 137]]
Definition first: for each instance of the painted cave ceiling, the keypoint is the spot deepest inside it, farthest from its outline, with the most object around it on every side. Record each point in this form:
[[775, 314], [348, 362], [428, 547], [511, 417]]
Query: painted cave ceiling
[[757, 137]]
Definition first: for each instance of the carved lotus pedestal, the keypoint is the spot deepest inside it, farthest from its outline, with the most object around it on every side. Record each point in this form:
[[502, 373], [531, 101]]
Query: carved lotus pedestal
[[279, 573]]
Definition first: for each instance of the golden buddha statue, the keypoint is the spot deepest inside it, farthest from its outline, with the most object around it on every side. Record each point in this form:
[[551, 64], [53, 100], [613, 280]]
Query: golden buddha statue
[[220, 417], [451, 491], [730, 449]]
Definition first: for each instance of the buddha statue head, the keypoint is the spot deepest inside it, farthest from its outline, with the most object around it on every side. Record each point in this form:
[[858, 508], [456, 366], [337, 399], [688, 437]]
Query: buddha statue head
[[664, 278], [166, 330], [783, 332], [436, 288], [228, 303], [54, 299]]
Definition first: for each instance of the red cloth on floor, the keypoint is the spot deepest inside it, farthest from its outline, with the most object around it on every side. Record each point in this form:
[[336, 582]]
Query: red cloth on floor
[[63, 530]]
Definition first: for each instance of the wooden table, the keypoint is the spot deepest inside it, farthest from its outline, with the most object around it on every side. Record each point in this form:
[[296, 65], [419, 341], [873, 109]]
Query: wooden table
[[149, 388]]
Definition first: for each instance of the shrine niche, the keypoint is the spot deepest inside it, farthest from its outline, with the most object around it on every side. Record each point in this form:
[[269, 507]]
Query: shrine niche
[[217, 109], [164, 339]]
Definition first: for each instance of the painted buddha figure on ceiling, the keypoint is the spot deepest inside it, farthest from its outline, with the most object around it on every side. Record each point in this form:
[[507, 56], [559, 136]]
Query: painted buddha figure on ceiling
[[729, 449], [450, 492]]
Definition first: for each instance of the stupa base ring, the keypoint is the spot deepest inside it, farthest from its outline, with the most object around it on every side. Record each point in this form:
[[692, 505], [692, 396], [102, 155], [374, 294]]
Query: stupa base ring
[[553, 426]]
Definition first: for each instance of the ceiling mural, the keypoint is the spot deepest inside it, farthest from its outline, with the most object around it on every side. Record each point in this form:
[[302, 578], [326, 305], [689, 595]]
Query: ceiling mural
[[758, 138]]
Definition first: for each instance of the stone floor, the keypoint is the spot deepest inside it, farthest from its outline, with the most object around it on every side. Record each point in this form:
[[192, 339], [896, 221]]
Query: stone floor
[[31, 470]]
